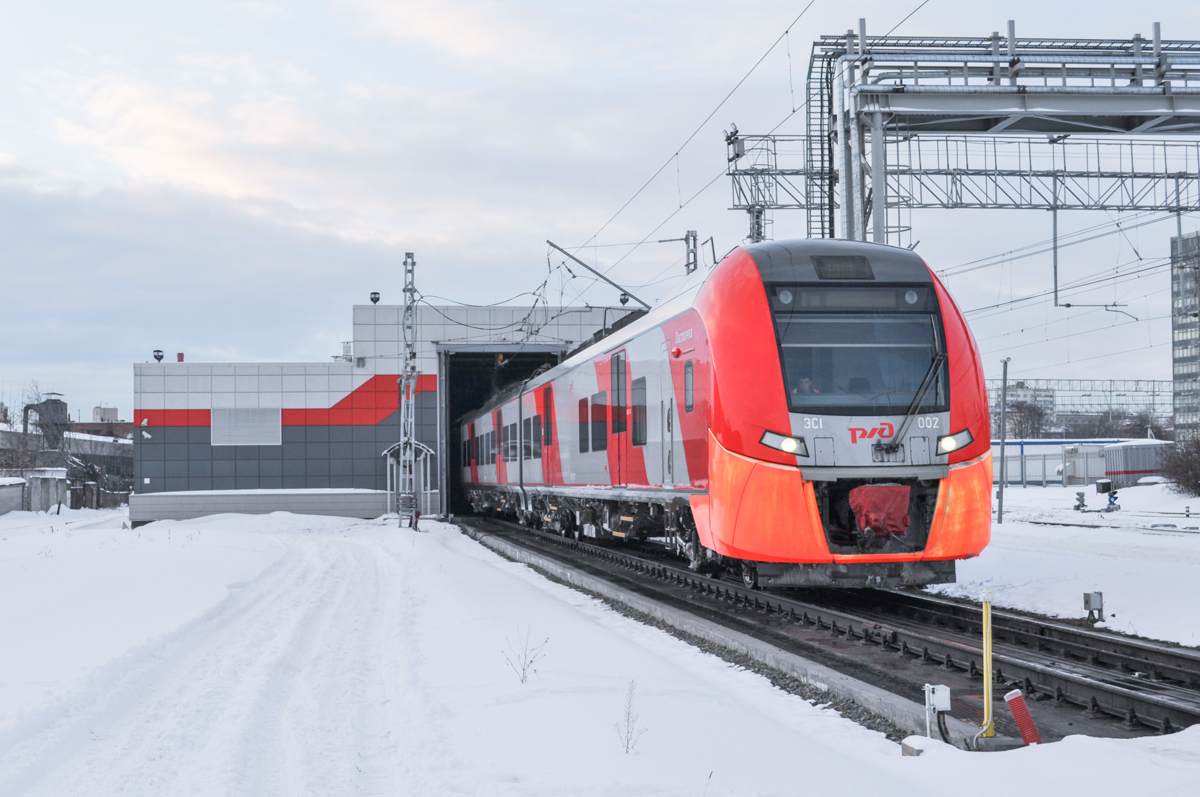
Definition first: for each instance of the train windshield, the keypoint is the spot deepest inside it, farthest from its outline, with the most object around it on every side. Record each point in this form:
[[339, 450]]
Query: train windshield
[[860, 350]]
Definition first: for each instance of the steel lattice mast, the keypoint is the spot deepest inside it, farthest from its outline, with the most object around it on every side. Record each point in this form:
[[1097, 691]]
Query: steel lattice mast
[[408, 390]]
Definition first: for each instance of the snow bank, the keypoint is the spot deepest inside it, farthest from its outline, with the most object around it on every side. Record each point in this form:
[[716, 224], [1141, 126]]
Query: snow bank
[[1046, 555], [351, 656]]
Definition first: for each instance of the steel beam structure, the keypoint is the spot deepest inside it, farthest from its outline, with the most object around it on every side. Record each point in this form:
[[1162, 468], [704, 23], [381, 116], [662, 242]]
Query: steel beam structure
[[894, 89]]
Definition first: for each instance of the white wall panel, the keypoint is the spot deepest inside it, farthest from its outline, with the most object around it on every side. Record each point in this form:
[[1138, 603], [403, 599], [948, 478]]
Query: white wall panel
[[224, 384], [199, 384], [175, 401], [270, 383], [223, 400], [199, 401], [294, 401], [246, 383], [245, 400]]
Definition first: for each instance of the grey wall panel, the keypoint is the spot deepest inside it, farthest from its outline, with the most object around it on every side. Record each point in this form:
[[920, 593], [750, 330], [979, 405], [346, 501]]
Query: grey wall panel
[[293, 451], [340, 434], [293, 434], [180, 506], [270, 483], [316, 434], [222, 468], [176, 469], [294, 482], [314, 451], [199, 451], [200, 468], [175, 484], [317, 467], [199, 435], [270, 468], [175, 434], [152, 453], [341, 467], [177, 451], [224, 452], [246, 468], [195, 483], [153, 469], [317, 482], [243, 453], [222, 484]]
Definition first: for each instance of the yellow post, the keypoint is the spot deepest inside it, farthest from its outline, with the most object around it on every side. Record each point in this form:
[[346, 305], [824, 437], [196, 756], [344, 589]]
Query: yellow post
[[989, 727]]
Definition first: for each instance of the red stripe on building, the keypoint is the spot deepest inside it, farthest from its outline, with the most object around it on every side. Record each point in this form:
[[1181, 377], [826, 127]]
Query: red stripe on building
[[370, 404], [1130, 472]]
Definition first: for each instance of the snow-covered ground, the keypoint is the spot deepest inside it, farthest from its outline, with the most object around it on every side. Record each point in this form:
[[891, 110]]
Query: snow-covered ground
[[284, 654], [1046, 555]]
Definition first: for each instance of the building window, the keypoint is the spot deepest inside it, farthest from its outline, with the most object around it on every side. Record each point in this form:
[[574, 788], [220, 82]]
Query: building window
[[618, 392], [247, 427], [638, 400], [584, 420], [599, 419], [688, 390]]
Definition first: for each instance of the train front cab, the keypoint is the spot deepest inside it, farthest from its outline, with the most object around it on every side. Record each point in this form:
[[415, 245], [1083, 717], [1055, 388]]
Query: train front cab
[[826, 344]]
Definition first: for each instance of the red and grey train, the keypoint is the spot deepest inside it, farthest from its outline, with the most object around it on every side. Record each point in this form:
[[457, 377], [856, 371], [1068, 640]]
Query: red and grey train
[[811, 411]]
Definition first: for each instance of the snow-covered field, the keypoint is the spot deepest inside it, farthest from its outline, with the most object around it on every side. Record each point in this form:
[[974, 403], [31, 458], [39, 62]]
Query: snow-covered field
[[284, 654], [1046, 555]]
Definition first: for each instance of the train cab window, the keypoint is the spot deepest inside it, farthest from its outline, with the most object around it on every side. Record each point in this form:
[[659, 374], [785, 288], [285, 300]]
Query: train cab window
[[600, 421], [527, 438], [536, 438], [548, 415], [689, 393], [859, 350], [617, 361], [584, 420], [638, 400]]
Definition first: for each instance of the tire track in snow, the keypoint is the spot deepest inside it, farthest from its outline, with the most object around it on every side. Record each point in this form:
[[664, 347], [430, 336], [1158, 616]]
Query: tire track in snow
[[277, 690]]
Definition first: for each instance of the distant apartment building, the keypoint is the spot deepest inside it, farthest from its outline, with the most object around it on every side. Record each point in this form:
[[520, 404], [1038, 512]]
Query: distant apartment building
[[1185, 327]]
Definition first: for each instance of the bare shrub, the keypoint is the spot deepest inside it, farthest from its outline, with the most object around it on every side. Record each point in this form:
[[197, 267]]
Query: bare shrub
[[1181, 464], [627, 729], [524, 654]]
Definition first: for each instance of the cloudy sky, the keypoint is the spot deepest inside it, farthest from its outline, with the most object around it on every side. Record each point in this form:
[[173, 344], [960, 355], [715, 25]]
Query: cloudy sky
[[226, 178]]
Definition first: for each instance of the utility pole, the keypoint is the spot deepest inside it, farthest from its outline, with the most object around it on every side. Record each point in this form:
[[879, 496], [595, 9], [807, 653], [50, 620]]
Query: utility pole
[[407, 505], [1003, 438]]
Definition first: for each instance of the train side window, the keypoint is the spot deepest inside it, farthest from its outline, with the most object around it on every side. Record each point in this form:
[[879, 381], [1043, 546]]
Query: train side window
[[491, 447], [584, 420], [689, 393], [599, 421], [513, 451], [638, 400], [536, 438], [527, 438], [548, 415], [617, 361]]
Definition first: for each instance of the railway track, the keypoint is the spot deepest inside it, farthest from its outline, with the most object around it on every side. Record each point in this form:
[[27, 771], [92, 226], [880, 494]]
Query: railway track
[[1079, 680]]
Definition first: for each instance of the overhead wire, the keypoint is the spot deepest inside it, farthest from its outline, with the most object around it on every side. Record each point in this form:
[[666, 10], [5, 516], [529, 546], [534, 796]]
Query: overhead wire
[[700, 127]]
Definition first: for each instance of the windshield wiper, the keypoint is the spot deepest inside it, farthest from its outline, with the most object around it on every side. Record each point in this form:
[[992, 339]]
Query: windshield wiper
[[926, 383]]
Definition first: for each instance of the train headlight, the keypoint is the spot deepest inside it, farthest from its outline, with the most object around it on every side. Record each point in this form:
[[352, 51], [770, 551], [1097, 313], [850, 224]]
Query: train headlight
[[785, 443], [953, 442]]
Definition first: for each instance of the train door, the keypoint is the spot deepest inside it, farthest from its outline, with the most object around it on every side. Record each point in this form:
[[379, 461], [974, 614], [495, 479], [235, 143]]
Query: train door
[[667, 414], [620, 422]]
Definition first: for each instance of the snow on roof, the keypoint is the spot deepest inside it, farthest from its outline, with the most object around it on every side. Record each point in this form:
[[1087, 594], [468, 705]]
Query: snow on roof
[[1145, 441], [7, 480]]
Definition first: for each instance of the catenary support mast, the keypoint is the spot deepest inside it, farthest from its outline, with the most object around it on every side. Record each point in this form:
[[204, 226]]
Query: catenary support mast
[[408, 391]]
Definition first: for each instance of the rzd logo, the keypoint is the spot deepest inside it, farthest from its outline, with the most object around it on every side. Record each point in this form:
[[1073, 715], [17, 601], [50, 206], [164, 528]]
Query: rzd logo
[[883, 430]]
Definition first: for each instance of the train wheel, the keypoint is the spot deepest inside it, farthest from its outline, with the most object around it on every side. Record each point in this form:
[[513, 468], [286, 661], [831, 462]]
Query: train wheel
[[750, 575]]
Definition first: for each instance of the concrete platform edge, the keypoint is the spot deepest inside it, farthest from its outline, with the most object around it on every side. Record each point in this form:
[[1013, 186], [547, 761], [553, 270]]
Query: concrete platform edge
[[906, 714]]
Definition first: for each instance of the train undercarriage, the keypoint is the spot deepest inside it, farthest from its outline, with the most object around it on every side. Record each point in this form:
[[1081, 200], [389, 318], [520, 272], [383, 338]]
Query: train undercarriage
[[668, 522]]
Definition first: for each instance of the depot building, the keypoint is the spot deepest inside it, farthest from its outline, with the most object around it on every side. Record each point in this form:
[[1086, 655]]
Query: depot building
[[315, 437]]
